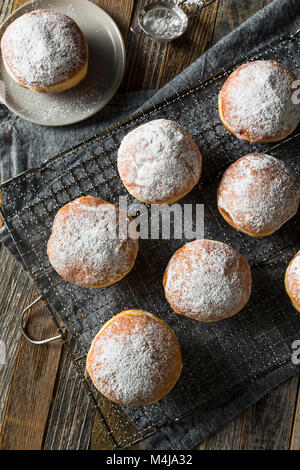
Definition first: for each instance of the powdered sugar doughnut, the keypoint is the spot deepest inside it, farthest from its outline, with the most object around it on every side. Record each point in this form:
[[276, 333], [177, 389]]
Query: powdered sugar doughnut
[[292, 281], [258, 194], [255, 102], [207, 280], [86, 246], [159, 162], [135, 359], [46, 51]]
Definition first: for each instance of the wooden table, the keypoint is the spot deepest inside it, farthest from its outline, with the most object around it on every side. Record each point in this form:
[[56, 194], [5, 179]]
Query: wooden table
[[42, 406]]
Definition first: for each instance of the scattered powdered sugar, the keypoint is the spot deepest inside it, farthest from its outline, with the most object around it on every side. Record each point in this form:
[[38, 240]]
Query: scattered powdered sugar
[[259, 192], [43, 48], [133, 365], [159, 161], [163, 23], [257, 100], [85, 247], [59, 108], [189, 3], [207, 280], [73, 12]]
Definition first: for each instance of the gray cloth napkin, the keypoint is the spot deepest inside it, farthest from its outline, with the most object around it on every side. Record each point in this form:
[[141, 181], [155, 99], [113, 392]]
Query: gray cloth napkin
[[25, 145]]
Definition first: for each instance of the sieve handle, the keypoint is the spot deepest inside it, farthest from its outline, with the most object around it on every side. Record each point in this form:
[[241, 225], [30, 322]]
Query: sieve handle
[[23, 326], [136, 29]]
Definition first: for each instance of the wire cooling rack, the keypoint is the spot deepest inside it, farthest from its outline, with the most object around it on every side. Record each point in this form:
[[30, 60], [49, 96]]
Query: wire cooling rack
[[220, 358]]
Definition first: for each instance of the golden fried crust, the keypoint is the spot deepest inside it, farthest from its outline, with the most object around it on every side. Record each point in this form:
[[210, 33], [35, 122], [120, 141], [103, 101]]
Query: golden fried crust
[[292, 282], [120, 328], [160, 202], [81, 273]]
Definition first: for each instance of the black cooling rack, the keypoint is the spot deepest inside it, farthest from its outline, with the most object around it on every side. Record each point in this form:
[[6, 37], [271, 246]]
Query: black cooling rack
[[220, 358]]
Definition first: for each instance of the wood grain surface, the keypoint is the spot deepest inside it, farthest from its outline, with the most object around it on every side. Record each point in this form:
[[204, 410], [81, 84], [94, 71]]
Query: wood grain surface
[[43, 405]]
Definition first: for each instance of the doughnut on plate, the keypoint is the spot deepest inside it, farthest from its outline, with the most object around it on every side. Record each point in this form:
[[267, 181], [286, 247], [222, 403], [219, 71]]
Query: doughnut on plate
[[105, 71]]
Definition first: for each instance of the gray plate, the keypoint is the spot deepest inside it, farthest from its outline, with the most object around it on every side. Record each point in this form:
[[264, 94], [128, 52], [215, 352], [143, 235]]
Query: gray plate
[[106, 69]]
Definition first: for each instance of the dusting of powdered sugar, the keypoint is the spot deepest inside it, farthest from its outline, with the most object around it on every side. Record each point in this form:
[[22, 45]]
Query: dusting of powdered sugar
[[259, 193], [163, 23], [81, 101], [295, 267], [166, 23], [133, 365], [159, 161], [43, 48], [85, 247], [207, 280], [190, 3], [257, 101]]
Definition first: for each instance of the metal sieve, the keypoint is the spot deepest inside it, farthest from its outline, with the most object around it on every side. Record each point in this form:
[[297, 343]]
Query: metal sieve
[[161, 21]]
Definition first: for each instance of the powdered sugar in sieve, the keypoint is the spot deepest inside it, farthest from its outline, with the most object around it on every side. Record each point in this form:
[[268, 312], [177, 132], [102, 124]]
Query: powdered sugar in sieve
[[163, 21]]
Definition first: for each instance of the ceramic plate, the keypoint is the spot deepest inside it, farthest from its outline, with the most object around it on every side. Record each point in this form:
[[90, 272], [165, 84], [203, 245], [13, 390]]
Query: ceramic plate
[[106, 69]]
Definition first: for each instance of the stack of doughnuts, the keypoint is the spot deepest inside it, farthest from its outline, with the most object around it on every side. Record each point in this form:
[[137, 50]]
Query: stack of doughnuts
[[46, 51]]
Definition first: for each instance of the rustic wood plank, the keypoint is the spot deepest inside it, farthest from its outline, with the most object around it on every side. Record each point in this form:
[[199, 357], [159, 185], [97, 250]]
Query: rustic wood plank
[[5, 9], [122, 16], [181, 53], [154, 64], [32, 386], [227, 438], [15, 293], [141, 51], [99, 437], [118, 422], [295, 437], [268, 424], [232, 13], [1, 204], [72, 415], [18, 4]]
